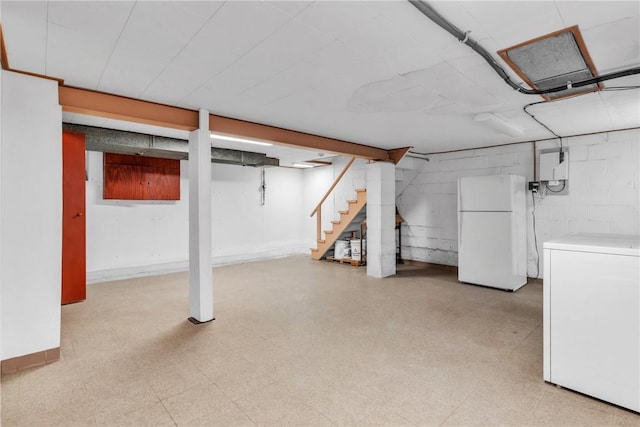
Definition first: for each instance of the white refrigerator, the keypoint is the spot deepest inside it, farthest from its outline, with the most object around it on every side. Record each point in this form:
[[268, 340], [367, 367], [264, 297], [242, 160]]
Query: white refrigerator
[[492, 234]]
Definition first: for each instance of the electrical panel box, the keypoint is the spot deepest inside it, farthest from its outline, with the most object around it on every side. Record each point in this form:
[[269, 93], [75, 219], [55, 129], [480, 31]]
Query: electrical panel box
[[554, 166]]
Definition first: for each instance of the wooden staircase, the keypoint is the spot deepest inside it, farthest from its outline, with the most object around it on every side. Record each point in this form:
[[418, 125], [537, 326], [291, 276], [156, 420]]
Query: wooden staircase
[[346, 217]]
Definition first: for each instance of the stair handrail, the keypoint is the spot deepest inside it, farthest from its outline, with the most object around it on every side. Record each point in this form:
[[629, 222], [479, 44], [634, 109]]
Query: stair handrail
[[318, 208]]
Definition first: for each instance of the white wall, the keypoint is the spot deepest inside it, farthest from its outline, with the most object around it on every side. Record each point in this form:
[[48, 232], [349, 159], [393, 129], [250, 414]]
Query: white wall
[[603, 194], [135, 238], [30, 214]]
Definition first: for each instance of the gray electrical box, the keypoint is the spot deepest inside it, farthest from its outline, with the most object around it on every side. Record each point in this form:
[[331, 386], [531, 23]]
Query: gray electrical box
[[554, 170], [551, 168]]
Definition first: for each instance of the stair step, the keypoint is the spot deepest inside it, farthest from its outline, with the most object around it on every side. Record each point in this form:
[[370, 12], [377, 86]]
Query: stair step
[[335, 222], [321, 240], [352, 201], [328, 231], [343, 212], [314, 249], [361, 190]]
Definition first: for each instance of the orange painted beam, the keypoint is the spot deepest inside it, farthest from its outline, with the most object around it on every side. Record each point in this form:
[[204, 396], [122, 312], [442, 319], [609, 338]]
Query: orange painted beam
[[397, 154], [296, 139], [4, 59], [94, 103], [84, 101]]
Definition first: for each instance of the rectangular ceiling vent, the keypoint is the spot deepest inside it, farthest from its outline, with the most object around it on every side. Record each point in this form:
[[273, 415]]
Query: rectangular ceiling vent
[[553, 60]]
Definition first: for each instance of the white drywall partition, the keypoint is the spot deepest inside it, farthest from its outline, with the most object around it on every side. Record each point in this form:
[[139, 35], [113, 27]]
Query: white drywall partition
[[603, 194], [30, 215], [137, 238]]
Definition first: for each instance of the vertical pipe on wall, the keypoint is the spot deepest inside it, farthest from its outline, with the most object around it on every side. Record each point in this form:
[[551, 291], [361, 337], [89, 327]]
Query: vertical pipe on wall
[[535, 165], [263, 187]]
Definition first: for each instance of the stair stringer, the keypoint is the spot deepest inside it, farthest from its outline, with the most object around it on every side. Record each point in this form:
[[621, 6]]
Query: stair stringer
[[346, 218]]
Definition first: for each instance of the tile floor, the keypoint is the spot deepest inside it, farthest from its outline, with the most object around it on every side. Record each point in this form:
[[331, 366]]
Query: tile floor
[[301, 343]]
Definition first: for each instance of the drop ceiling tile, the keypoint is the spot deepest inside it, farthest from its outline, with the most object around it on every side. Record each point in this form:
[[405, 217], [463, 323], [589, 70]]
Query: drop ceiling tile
[[288, 45], [509, 23], [232, 33], [336, 18], [155, 33], [25, 32], [608, 56], [81, 37], [292, 7], [302, 74], [375, 37], [623, 107], [588, 14]]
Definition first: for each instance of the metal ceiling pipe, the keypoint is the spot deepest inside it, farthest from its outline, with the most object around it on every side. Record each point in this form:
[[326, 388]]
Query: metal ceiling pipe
[[133, 143], [463, 37]]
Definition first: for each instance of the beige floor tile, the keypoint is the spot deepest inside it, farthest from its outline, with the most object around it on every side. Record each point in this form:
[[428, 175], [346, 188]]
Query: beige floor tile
[[241, 381], [227, 415], [174, 379], [301, 343], [151, 415], [384, 417], [195, 403], [564, 407], [274, 405], [622, 417], [112, 403], [343, 408]]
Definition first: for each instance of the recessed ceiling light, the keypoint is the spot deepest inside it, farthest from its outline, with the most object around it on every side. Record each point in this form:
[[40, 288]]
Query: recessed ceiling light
[[234, 139], [553, 60]]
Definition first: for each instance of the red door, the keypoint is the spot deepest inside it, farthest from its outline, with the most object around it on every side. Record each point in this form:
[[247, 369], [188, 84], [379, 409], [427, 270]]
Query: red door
[[74, 283]]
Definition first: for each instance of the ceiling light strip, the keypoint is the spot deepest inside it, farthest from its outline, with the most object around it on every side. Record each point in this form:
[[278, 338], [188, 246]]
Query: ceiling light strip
[[236, 139]]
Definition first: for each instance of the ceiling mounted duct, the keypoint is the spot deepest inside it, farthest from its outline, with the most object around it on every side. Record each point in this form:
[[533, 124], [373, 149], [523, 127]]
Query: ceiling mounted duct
[[553, 60]]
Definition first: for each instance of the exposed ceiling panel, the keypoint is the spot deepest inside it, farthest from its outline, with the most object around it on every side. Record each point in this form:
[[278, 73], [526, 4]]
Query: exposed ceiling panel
[[158, 32], [25, 30], [623, 52], [370, 72], [233, 32], [82, 38]]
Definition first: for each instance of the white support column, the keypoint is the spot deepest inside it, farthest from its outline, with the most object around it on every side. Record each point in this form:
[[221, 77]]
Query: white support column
[[200, 267], [381, 210]]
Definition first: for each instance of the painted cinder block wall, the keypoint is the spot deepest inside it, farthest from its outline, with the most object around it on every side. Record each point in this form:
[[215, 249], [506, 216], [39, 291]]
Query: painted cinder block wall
[[138, 238], [603, 194]]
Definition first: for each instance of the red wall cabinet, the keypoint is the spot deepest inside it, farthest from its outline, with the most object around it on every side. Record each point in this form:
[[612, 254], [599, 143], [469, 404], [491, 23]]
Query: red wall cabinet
[[140, 178]]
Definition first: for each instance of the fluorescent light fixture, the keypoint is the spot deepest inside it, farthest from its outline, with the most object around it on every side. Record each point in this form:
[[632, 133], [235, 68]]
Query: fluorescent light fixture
[[302, 165], [499, 123], [234, 139]]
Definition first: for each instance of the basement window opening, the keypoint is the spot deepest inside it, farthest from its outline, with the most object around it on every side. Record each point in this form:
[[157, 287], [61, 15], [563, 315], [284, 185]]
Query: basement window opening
[[553, 60]]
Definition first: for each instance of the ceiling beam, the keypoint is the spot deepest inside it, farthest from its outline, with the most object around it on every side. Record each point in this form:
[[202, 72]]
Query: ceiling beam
[[296, 139], [94, 103], [84, 101], [4, 59], [397, 154], [4, 62]]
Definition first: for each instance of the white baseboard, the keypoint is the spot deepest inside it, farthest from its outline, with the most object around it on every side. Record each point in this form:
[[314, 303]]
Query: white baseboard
[[120, 273]]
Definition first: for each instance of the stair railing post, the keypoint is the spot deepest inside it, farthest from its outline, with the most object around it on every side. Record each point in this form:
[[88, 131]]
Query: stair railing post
[[319, 223]]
